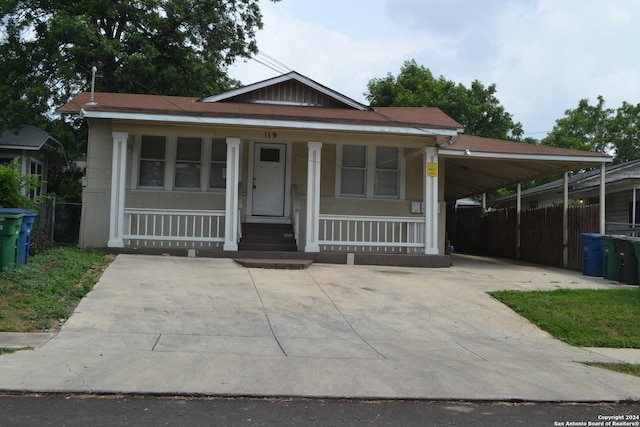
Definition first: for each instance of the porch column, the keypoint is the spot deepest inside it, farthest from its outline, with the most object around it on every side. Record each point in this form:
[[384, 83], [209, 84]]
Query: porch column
[[231, 214], [118, 176], [313, 197], [603, 225], [431, 201]]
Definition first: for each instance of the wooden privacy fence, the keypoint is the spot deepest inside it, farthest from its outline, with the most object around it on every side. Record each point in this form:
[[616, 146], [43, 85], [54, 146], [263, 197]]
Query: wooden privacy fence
[[495, 233]]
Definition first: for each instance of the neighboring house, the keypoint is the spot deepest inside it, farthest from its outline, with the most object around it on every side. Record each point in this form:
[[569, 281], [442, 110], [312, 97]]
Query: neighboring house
[[178, 172], [621, 184], [35, 149]]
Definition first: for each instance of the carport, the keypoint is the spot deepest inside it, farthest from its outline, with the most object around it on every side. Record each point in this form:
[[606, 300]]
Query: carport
[[476, 165]]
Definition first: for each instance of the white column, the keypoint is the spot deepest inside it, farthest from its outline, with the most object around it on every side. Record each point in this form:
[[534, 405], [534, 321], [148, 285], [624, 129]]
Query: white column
[[231, 214], [565, 222], [602, 199], [431, 201], [518, 211], [313, 197], [118, 176]]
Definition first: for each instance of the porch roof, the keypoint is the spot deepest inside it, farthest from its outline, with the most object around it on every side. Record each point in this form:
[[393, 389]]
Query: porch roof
[[402, 120], [475, 165]]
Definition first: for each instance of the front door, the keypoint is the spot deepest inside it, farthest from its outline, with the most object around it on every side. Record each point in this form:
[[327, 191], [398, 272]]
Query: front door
[[269, 171]]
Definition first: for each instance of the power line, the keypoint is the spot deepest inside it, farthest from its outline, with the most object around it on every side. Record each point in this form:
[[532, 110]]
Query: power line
[[271, 63]]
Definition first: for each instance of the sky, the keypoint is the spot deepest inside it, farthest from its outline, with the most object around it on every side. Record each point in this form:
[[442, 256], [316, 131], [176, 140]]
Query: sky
[[544, 56]]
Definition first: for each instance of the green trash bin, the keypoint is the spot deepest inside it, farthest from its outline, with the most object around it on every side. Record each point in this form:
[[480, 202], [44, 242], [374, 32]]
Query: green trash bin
[[9, 232], [610, 262]]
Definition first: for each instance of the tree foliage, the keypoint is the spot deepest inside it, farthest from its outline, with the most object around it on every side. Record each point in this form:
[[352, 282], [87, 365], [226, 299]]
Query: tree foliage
[[168, 47], [476, 107], [598, 128], [14, 186]]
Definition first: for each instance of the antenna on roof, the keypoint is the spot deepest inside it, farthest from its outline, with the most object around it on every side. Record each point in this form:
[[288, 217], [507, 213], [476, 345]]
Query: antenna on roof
[[93, 85]]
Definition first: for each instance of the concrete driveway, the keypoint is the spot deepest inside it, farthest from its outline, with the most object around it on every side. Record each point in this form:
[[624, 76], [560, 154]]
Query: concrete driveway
[[171, 325]]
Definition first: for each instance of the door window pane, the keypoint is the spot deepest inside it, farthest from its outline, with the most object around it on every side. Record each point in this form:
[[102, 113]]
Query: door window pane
[[270, 155]]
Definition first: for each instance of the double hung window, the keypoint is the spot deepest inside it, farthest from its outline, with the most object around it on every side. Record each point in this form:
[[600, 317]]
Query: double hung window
[[152, 161], [188, 163], [371, 172], [180, 163]]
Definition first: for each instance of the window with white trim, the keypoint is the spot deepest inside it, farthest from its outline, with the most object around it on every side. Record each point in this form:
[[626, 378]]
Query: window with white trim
[[36, 167], [188, 163], [218, 169], [387, 182], [179, 163], [371, 172], [152, 161], [354, 168]]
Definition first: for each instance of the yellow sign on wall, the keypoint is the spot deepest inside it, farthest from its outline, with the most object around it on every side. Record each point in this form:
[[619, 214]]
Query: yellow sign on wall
[[432, 169]]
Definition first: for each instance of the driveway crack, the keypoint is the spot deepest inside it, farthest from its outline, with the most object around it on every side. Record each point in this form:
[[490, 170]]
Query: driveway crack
[[344, 317], [266, 315]]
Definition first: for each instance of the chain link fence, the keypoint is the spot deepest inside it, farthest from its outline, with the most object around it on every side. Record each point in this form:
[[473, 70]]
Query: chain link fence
[[60, 220]]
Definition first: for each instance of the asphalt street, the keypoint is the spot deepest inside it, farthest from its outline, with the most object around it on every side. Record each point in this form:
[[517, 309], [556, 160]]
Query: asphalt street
[[96, 411]]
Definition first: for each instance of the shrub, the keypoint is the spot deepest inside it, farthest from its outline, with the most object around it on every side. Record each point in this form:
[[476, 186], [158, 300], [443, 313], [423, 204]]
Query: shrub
[[13, 185], [39, 241]]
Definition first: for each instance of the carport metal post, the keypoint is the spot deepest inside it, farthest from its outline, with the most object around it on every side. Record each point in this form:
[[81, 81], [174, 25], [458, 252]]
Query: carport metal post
[[518, 210], [602, 199], [565, 221]]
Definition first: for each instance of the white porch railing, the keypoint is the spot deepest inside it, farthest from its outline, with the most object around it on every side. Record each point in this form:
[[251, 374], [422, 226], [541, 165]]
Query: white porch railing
[[173, 228], [384, 234]]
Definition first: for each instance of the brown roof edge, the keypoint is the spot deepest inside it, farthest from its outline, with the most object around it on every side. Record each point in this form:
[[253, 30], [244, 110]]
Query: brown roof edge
[[473, 143], [423, 117]]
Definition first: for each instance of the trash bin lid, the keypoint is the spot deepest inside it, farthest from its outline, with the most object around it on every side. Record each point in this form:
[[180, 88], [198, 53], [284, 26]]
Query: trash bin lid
[[11, 215], [26, 212]]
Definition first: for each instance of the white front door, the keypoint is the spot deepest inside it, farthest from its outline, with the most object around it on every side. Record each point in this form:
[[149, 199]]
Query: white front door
[[269, 172]]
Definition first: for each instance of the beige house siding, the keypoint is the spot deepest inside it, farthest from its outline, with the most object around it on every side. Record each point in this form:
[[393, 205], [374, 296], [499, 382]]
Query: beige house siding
[[95, 218], [94, 230]]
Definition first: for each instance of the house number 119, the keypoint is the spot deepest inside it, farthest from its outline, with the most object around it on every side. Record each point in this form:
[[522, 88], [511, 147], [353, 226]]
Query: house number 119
[[270, 135]]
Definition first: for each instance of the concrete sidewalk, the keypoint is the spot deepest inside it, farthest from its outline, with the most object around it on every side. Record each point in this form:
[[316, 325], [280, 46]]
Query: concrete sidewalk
[[168, 325]]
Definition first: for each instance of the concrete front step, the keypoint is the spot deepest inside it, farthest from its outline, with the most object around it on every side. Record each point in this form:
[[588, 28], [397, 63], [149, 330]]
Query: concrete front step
[[268, 247], [280, 264]]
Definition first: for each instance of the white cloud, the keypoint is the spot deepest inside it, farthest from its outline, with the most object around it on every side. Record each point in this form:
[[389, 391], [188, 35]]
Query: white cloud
[[543, 55]]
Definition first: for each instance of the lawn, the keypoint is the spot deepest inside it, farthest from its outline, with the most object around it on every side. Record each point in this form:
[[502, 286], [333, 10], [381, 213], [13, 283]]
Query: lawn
[[42, 294], [582, 317]]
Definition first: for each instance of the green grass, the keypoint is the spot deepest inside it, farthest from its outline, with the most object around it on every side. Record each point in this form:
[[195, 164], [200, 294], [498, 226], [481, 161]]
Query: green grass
[[42, 294], [582, 317], [624, 368], [5, 350]]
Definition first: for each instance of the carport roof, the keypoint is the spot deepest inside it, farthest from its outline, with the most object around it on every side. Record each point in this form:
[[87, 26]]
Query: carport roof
[[476, 165]]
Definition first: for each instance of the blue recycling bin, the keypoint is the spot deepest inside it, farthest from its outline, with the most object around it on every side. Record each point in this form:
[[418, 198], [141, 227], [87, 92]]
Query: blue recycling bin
[[24, 237], [592, 263]]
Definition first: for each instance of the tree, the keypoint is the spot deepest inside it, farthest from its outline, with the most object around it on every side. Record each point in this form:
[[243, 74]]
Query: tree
[[169, 47], [597, 128], [476, 107], [624, 132], [583, 128]]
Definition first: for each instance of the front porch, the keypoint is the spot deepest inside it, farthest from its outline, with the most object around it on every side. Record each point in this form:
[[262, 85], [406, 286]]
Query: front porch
[[343, 239], [317, 228]]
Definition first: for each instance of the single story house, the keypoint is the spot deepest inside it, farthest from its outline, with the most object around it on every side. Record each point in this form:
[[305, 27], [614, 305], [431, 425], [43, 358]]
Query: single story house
[[35, 150], [621, 184], [181, 172]]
